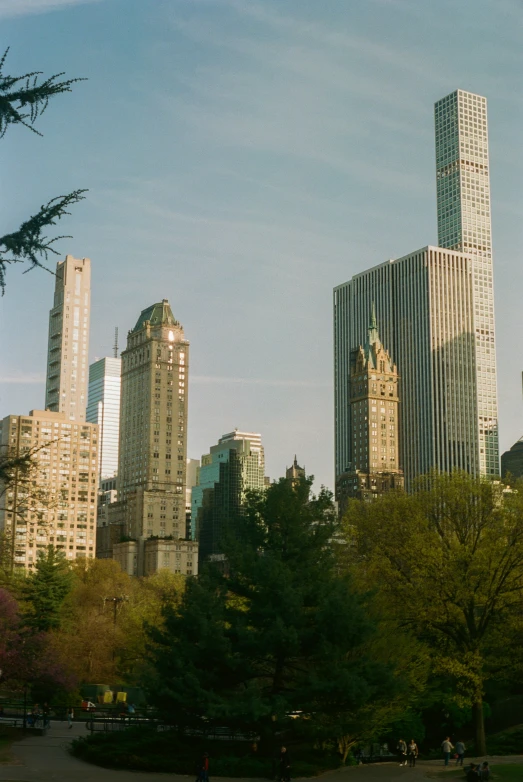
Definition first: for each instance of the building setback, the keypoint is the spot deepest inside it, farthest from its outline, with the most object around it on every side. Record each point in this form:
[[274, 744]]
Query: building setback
[[153, 437], [232, 467], [68, 344], [435, 309], [103, 408], [57, 506]]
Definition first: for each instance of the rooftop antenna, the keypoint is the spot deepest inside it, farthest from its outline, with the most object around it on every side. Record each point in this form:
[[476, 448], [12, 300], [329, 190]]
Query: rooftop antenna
[[115, 346]]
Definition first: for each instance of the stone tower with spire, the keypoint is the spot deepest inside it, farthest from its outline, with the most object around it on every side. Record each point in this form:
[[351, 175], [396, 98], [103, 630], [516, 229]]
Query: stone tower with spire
[[374, 415]]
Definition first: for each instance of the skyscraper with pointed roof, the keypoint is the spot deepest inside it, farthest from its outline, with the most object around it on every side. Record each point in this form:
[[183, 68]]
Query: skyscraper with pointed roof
[[374, 404], [153, 432]]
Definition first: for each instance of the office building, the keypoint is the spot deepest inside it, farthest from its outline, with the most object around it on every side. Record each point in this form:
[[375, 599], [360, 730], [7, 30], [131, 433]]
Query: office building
[[55, 502], [436, 316], [232, 467], [192, 472], [103, 408], [153, 431], [374, 415], [68, 345]]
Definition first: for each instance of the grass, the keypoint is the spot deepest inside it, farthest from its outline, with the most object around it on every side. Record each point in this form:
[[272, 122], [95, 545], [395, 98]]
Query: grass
[[509, 772]]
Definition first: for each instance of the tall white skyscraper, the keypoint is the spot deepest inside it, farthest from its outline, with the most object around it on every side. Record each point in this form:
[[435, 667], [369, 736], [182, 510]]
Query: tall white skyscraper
[[436, 316], [103, 408], [464, 223], [68, 345]]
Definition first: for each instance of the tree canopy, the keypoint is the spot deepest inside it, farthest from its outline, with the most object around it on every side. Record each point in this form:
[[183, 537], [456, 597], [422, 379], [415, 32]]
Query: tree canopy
[[447, 563]]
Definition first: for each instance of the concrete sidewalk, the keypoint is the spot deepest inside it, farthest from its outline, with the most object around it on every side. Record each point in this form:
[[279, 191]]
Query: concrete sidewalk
[[46, 759]]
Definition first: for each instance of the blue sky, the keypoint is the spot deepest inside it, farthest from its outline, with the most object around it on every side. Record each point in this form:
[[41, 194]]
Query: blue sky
[[242, 158]]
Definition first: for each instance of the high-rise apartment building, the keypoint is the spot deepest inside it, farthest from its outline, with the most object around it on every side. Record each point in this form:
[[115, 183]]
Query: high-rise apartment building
[[153, 429], [436, 316], [464, 224], [103, 408], [232, 467], [192, 472], [55, 503], [68, 345], [374, 415]]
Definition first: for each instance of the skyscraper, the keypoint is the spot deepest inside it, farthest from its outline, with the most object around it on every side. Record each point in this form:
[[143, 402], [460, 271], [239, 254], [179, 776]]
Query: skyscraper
[[103, 408], [464, 224], [232, 467], [374, 414], [68, 345], [153, 429], [436, 316]]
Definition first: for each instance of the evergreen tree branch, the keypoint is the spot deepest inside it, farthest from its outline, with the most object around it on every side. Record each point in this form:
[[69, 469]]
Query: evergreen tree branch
[[29, 244], [23, 98]]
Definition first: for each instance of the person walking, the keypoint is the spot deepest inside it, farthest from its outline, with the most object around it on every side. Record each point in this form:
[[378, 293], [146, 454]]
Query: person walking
[[46, 715], [285, 765], [70, 716], [412, 753], [204, 768], [402, 752], [460, 752], [447, 748]]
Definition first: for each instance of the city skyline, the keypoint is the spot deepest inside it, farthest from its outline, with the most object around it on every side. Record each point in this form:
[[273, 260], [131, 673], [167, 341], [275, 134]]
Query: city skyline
[[246, 211]]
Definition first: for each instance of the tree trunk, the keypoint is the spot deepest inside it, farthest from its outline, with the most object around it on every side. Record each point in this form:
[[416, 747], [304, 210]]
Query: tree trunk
[[479, 727]]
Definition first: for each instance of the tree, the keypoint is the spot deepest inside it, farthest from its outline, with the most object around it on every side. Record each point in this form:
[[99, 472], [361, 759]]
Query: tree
[[24, 494], [46, 589], [447, 563], [278, 632], [27, 658], [22, 100]]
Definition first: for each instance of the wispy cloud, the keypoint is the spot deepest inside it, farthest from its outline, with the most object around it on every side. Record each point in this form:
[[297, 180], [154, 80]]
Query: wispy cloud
[[12, 8], [22, 378], [258, 381]]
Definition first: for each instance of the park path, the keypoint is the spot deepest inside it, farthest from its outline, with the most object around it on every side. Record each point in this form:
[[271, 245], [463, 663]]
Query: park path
[[46, 759]]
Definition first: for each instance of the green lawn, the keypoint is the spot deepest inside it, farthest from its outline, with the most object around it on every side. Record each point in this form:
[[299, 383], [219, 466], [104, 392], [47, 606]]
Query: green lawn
[[504, 773]]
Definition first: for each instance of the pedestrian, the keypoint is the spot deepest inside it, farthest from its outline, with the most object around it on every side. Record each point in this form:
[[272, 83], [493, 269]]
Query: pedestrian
[[412, 752], [484, 771], [402, 752], [203, 775], [47, 714], [285, 765], [70, 716], [447, 748], [460, 752]]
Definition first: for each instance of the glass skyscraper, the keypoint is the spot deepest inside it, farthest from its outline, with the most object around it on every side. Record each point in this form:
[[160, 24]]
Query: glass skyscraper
[[103, 408], [436, 315], [233, 466]]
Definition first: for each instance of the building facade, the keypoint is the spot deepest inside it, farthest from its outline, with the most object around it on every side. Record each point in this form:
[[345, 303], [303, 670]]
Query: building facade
[[464, 224], [295, 473], [192, 473], [232, 467], [374, 414], [68, 344], [436, 317], [55, 504], [153, 430], [103, 408]]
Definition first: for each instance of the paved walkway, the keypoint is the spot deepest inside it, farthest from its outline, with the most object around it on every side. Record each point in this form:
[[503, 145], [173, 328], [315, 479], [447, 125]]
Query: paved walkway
[[46, 759]]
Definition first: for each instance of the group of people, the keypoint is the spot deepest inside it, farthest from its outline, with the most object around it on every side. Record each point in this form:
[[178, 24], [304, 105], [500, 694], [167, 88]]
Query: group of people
[[38, 714], [408, 753]]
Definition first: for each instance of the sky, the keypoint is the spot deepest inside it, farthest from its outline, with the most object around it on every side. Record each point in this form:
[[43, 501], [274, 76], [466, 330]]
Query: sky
[[243, 157]]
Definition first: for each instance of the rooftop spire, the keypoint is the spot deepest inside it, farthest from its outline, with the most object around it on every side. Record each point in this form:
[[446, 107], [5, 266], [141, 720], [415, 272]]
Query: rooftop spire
[[373, 328]]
